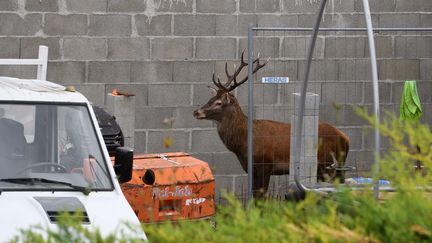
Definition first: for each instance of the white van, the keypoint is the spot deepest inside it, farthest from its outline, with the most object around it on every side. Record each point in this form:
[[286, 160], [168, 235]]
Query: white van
[[53, 159]]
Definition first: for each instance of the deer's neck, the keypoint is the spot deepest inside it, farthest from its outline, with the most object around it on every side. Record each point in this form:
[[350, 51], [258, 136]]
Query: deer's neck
[[232, 129]]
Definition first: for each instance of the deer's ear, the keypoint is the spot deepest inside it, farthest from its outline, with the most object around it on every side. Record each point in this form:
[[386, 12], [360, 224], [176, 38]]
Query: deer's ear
[[226, 99]]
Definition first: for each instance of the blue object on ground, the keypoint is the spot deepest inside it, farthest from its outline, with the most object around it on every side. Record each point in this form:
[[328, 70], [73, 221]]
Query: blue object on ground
[[365, 180]]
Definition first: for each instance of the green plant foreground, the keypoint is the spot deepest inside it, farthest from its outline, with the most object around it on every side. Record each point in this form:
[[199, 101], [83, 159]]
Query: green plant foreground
[[346, 216]]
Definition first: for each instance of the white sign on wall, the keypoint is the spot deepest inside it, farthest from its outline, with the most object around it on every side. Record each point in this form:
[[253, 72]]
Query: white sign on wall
[[275, 80]]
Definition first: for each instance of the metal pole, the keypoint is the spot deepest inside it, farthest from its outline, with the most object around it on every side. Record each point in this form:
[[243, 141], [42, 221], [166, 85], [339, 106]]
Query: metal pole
[[250, 112], [339, 29], [375, 89], [299, 125]]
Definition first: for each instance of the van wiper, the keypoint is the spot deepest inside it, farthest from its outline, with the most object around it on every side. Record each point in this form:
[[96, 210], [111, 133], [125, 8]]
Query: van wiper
[[34, 180]]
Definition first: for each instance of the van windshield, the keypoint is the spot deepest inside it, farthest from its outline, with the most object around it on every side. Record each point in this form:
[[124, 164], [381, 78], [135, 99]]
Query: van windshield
[[50, 147]]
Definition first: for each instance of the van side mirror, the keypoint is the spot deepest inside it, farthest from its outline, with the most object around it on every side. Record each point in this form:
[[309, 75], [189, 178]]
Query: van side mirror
[[123, 163]]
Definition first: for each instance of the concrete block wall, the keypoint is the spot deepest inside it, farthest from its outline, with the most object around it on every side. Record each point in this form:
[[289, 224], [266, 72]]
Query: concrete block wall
[[164, 51]]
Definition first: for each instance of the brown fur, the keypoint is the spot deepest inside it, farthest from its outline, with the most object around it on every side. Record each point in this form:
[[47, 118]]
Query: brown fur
[[271, 142]]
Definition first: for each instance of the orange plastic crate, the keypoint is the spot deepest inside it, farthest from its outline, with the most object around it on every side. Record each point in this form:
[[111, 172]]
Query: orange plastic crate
[[171, 186]]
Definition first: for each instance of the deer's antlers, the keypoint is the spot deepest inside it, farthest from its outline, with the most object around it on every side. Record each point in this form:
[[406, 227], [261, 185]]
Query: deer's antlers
[[232, 83]]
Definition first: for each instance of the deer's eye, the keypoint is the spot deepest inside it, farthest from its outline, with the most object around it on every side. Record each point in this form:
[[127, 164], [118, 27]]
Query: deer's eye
[[218, 103]]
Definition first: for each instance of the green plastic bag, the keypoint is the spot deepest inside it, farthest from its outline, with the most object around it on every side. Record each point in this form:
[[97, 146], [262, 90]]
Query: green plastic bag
[[410, 108]]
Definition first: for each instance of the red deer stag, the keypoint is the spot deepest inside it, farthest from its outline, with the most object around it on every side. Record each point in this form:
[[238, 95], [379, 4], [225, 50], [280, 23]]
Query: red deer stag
[[271, 143]]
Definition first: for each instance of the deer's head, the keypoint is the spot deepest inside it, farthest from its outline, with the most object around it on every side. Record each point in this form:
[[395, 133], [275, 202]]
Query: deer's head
[[223, 100]]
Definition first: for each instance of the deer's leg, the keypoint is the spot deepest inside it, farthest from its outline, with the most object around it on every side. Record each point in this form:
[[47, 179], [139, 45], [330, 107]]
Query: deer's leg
[[261, 179]]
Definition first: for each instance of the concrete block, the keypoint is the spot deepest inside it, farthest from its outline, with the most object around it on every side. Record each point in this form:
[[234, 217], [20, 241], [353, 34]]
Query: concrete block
[[356, 137], [120, 105], [152, 72], [266, 47], [159, 25], [209, 6], [406, 69], [193, 71], [215, 48], [207, 141], [41, 6], [183, 118], [139, 90], [95, 93], [129, 48], [109, 72], [13, 24], [279, 113], [127, 124], [342, 92], [9, 47], [234, 25], [300, 6], [384, 87], [425, 20], [156, 140], [86, 6], [413, 46], [9, 5], [263, 94], [110, 25], [29, 47], [414, 6], [172, 48], [194, 25], [247, 6], [123, 109], [377, 6], [340, 116], [84, 48], [126, 6], [277, 21], [224, 184], [224, 163], [140, 141], [399, 20], [337, 20], [176, 6], [354, 69], [18, 71], [226, 25], [425, 69], [201, 94], [66, 72], [129, 142], [309, 139], [287, 90], [71, 24], [169, 95], [269, 6], [297, 47], [383, 47], [369, 140], [325, 70], [241, 187], [345, 47], [152, 117]]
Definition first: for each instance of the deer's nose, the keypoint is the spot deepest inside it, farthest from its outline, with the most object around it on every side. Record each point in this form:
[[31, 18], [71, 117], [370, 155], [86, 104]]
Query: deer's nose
[[198, 114]]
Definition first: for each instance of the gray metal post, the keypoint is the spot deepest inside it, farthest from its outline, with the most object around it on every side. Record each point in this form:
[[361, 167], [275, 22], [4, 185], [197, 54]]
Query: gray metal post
[[250, 112], [298, 132], [375, 88]]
